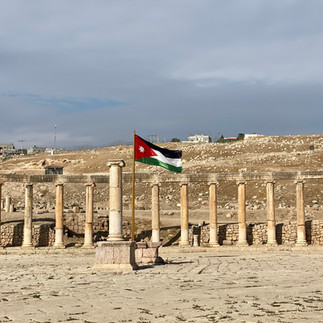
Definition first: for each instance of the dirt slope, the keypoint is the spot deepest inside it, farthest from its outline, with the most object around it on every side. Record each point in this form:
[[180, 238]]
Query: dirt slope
[[268, 153]]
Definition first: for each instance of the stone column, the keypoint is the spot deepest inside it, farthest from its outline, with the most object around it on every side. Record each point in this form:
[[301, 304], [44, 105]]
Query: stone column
[[155, 215], [213, 214], [116, 253], [59, 216], [0, 210], [27, 242], [242, 213], [301, 231], [88, 230], [115, 188], [184, 216], [271, 222], [7, 204]]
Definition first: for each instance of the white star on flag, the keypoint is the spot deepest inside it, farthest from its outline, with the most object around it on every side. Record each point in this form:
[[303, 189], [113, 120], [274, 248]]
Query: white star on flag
[[141, 149]]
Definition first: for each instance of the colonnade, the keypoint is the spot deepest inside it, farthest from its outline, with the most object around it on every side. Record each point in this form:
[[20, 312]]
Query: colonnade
[[115, 216], [59, 232], [242, 239]]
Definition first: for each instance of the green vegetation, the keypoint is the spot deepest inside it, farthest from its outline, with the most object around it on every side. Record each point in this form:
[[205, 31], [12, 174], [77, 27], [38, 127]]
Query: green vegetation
[[223, 140]]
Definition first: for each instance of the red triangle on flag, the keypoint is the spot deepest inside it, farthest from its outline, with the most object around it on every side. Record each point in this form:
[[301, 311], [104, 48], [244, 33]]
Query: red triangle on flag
[[142, 150]]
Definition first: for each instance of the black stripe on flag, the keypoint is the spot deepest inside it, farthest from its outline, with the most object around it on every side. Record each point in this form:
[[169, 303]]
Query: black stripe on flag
[[166, 152]]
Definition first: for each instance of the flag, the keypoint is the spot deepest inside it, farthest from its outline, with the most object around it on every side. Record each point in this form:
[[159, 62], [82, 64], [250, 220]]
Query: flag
[[148, 153]]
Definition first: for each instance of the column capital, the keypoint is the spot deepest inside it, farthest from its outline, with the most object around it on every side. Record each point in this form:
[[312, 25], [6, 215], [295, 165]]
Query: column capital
[[214, 183], [299, 181], [155, 184], [29, 184], [116, 162], [183, 183], [268, 181], [90, 184], [241, 182], [59, 184]]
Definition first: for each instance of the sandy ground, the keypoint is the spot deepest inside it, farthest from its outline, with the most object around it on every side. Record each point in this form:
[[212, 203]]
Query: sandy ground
[[223, 285]]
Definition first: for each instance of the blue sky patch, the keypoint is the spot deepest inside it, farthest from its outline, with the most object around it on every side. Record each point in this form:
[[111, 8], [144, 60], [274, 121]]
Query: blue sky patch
[[68, 105]]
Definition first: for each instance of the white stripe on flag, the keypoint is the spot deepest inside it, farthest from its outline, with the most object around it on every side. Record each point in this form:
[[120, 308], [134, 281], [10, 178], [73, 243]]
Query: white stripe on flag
[[177, 162]]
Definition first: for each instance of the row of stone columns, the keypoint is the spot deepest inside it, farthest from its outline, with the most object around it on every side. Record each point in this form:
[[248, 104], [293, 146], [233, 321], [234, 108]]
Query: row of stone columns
[[59, 232], [115, 222], [115, 218], [242, 239]]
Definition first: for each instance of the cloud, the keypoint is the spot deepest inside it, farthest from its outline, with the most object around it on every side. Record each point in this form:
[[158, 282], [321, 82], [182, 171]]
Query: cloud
[[99, 70]]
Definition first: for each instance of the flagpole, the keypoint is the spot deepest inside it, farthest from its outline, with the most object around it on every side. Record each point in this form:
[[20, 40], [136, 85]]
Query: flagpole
[[133, 191]]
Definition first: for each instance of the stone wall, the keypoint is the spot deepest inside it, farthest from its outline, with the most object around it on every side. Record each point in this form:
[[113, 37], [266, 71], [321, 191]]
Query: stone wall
[[75, 223], [286, 233], [12, 235], [44, 234]]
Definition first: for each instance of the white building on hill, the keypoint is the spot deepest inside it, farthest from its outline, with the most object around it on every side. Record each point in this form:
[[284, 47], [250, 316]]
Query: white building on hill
[[199, 138], [251, 135]]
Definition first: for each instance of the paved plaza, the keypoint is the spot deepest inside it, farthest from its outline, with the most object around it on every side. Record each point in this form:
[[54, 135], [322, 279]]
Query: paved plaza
[[226, 285]]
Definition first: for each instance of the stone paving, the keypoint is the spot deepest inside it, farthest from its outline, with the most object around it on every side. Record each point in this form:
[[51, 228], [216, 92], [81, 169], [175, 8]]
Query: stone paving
[[226, 285]]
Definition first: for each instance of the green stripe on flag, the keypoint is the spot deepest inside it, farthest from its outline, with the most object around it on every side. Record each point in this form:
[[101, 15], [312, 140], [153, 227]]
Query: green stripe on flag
[[156, 162]]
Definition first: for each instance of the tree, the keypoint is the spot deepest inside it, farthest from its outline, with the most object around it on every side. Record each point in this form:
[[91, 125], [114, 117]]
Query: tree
[[175, 140], [221, 139], [240, 136]]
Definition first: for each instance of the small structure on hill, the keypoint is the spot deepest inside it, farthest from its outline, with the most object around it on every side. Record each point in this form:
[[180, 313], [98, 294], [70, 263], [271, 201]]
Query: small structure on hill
[[251, 135], [7, 149], [53, 170], [200, 138], [34, 150]]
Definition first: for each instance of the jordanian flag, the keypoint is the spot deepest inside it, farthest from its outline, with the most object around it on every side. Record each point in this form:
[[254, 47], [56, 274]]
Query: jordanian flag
[[148, 153]]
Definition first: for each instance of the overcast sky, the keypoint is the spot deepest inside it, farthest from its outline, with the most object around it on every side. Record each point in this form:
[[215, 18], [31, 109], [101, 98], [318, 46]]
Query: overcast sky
[[101, 69]]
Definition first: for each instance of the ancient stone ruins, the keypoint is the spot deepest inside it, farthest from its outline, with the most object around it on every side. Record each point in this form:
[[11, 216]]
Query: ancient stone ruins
[[128, 253]]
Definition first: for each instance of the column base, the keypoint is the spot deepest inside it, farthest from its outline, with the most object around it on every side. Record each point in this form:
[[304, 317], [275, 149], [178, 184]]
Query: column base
[[155, 236], [272, 243], [242, 244], [27, 246], [59, 245], [214, 244], [184, 244], [88, 246], [301, 243], [115, 238]]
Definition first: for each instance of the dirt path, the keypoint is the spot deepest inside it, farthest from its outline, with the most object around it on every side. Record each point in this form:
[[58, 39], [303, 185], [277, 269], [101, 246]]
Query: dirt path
[[222, 286]]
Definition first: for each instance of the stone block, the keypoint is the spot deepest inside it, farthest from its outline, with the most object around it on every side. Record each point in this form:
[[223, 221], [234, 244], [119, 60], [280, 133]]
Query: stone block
[[115, 256], [227, 242], [148, 253]]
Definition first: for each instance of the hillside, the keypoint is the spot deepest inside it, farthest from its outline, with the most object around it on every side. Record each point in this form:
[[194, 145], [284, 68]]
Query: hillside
[[268, 153]]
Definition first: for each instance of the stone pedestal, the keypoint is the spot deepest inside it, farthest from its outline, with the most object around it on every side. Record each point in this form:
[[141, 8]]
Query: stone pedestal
[[147, 254], [115, 256]]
